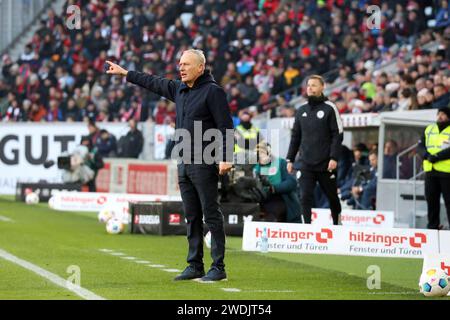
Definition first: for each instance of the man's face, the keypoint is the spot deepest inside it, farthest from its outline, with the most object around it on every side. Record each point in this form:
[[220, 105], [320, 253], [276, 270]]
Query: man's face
[[357, 154], [132, 124], [442, 117], [438, 91], [263, 157], [245, 117], [314, 88], [389, 149], [373, 160], [190, 68]]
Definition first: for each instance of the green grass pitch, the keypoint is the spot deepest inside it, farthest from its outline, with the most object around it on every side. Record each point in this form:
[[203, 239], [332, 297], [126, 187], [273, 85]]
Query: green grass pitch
[[56, 240]]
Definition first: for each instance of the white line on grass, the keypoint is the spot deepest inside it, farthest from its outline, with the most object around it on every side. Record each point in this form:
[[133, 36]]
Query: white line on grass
[[142, 261], [117, 254], [106, 250], [274, 291], [6, 219], [79, 291], [231, 289], [128, 258], [156, 265], [172, 270]]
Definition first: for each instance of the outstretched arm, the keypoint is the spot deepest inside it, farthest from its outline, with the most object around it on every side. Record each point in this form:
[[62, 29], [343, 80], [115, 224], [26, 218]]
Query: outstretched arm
[[159, 85]]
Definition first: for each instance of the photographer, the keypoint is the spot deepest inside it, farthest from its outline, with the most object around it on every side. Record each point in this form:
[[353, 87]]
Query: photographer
[[364, 190], [281, 203]]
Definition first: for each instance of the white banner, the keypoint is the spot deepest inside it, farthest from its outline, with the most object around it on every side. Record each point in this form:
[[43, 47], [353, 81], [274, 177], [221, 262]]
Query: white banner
[[24, 147], [437, 260], [95, 201], [444, 241], [161, 135], [356, 218], [304, 238]]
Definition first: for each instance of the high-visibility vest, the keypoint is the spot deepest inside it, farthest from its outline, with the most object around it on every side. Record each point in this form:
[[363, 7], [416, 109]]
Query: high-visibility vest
[[250, 134], [435, 142]]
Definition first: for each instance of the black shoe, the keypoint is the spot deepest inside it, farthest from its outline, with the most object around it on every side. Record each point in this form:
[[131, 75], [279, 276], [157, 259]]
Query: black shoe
[[214, 274], [190, 273]]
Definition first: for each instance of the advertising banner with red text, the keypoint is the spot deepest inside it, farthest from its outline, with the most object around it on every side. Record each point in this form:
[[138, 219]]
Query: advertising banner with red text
[[358, 241], [95, 201], [357, 218]]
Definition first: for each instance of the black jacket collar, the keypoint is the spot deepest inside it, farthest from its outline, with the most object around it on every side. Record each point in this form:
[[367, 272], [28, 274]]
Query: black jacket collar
[[206, 77]]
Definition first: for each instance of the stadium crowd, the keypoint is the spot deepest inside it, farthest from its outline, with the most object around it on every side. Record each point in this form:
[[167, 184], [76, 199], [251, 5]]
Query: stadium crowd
[[257, 50]]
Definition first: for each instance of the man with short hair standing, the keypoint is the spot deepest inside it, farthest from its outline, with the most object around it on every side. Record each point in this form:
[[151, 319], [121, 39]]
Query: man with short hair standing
[[317, 134], [199, 100]]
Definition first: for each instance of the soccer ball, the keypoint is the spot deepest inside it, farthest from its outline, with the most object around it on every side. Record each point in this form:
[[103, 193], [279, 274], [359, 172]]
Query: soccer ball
[[51, 202], [434, 282], [32, 198], [114, 226], [105, 215]]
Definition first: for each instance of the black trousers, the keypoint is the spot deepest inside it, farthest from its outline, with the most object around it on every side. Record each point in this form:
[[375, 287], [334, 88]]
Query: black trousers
[[434, 187], [274, 209], [327, 181], [199, 191]]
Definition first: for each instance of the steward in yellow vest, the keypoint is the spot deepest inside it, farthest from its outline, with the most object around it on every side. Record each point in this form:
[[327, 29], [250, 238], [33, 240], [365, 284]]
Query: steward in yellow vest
[[247, 135], [435, 148]]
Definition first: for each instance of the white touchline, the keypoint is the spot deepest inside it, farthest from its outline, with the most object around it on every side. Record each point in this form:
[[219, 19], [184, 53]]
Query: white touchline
[[142, 261], [82, 292], [156, 265], [172, 270], [6, 219], [231, 289]]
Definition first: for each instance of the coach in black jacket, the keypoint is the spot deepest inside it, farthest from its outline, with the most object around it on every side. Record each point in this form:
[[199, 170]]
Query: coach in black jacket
[[318, 133], [199, 101]]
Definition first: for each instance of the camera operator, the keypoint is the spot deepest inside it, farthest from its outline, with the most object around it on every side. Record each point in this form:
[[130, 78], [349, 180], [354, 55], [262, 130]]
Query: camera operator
[[81, 165], [281, 203], [365, 188]]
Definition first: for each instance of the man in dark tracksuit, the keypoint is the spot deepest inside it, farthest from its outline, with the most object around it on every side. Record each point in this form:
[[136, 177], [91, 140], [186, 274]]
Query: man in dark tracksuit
[[318, 133], [199, 100]]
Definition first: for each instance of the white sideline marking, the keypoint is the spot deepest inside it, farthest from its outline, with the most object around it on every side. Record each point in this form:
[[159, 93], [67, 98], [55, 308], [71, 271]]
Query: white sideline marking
[[6, 219], [105, 250], [172, 270], [79, 291], [117, 254], [156, 265], [274, 291], [231, 289], [128, 258], [142, 261]]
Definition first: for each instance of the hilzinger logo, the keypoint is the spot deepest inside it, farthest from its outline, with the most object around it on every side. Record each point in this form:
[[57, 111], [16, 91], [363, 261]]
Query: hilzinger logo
[[322, 237], [416, 241], [378, 219], [101, 200]]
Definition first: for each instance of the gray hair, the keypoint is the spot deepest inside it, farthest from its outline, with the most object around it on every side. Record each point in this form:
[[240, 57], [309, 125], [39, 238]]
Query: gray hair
[[199, 53]]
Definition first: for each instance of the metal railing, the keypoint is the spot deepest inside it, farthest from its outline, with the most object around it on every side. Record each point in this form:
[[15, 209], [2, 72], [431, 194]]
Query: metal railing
[[414, 178], [16, 16]]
